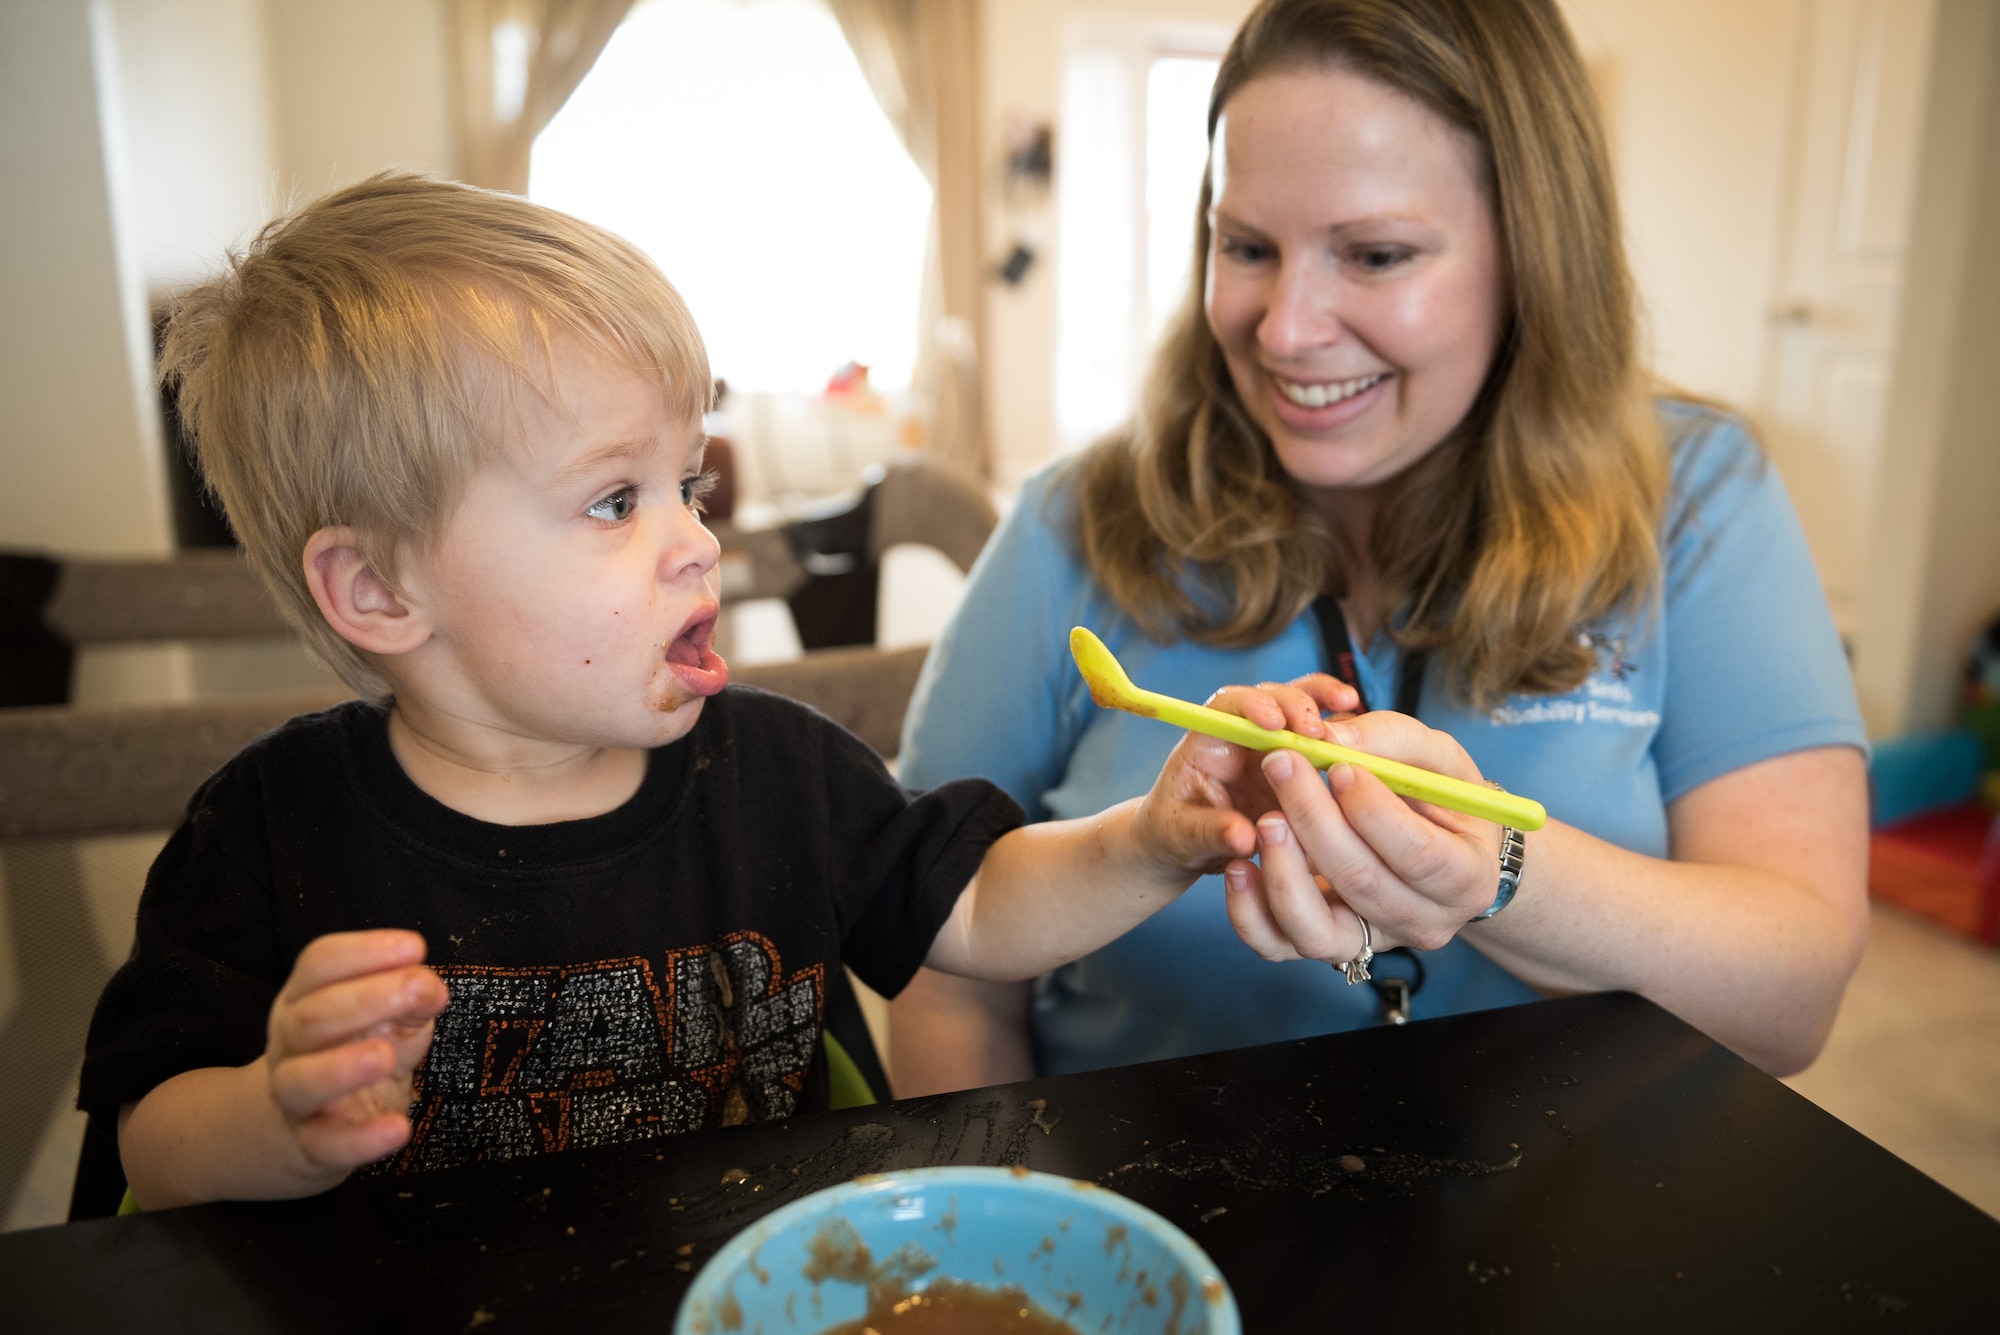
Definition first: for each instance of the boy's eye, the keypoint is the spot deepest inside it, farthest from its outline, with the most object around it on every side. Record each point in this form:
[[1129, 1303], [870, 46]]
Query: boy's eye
[[694, 490], [617, 507]]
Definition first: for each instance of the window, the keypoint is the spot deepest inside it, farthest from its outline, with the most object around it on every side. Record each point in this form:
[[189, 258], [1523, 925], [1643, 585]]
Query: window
[[1134, 146], [737, 142]]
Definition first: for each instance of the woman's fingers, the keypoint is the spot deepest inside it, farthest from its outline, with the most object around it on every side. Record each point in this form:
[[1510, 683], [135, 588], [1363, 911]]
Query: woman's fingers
[[1451, 860], [1416, 879], [1292, 894], [1339, 851], [1250, 914], [1399, 737], [1248, 901]]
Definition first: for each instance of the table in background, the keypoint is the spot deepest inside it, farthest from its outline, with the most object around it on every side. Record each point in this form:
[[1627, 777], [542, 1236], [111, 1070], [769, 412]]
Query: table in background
[[1590, 1164]]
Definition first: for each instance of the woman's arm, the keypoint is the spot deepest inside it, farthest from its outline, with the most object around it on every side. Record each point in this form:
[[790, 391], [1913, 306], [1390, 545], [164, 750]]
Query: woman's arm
[[1749, 930], [949, 1033]]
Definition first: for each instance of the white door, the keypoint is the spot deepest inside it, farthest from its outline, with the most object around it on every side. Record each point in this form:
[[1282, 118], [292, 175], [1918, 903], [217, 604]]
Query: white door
[[1859, 76]]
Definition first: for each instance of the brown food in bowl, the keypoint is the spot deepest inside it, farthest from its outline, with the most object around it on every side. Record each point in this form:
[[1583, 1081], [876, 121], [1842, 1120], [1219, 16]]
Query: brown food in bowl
[[952, 1307]]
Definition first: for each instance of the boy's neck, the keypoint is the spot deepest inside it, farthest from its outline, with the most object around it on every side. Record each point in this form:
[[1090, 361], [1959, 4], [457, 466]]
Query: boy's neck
[[510, 781]]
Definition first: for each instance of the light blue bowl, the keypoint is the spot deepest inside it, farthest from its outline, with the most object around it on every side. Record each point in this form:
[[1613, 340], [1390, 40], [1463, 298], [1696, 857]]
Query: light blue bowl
[[1081, 1253]]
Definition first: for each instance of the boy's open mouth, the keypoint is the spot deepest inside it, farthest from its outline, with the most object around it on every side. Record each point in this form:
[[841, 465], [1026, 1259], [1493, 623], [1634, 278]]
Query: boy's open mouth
[[691, 654]]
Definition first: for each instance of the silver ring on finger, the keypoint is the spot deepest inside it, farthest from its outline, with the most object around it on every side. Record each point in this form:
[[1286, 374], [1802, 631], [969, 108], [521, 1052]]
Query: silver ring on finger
[[1356, 969]]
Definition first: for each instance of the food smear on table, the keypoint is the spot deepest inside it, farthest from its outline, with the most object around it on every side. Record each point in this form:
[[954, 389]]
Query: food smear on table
[[943, 1307]]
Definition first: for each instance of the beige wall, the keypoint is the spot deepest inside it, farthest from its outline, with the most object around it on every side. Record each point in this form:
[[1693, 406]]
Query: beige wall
[[1022, 77], [142, 138], [79, 442], [1936, 576], [197, 127], [1694, 94], [1696, 102], [360, 85]]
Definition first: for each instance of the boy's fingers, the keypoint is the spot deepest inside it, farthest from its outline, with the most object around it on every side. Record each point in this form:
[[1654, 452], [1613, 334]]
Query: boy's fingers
[[1219, 760], [1302, 712], [412, 1042], [332, 1143], [1329, 693], [1255, 703], [1212, 835], [1276, 705], [303, 1085], [340, 955], [340, 1010], [1218, 774]]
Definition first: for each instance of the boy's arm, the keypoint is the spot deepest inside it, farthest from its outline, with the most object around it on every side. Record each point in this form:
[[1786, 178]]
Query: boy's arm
[[331, 1092], [1046, 894]]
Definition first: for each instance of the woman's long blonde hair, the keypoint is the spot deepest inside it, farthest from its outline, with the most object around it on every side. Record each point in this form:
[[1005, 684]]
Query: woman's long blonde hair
[[1539, 513]]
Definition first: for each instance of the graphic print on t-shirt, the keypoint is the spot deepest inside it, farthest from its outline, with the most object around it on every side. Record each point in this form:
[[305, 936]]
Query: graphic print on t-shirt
[[537, 1059]]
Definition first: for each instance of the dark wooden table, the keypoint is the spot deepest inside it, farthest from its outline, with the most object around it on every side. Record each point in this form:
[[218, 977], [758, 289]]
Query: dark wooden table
[[1581, 1165]]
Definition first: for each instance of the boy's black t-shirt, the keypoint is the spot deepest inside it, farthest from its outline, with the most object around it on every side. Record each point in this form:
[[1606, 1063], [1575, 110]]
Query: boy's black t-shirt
[[664, 967]]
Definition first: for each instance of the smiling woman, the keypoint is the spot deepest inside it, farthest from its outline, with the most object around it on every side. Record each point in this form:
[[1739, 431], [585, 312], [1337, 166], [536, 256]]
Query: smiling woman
[[737, 143], [1399, 431]]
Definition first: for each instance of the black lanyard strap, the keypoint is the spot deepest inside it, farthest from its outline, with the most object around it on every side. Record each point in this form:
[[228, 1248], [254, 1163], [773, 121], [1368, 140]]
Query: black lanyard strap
[[1393, 992], [1341, 658]]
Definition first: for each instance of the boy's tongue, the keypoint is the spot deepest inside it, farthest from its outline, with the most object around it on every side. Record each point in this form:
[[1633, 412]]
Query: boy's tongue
[[694, 661]]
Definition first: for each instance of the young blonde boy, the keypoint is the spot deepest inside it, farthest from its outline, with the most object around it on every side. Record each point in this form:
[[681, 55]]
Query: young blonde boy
[[459, 437]]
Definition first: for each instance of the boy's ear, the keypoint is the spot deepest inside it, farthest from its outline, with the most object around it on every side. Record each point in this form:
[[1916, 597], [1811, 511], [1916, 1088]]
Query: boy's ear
[[355, 600]]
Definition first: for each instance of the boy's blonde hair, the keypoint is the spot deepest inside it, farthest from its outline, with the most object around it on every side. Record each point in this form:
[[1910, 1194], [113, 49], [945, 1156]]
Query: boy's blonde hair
[[351, 367]]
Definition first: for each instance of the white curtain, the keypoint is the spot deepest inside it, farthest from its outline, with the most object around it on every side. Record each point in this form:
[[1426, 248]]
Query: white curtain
[[517, 62], [921, 58]]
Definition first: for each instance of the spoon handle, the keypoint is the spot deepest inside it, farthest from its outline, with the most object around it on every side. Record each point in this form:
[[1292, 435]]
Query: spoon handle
[[1473, 799]]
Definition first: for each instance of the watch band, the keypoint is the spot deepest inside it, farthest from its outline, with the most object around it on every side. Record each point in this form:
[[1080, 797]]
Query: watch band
[[1513, 844]]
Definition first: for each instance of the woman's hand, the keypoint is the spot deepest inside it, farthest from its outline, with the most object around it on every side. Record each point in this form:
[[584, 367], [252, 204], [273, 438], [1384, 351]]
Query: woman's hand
[[1748, 929], [1345, 845]]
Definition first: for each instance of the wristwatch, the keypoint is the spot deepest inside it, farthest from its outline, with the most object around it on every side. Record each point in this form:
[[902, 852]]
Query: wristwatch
[[1512, 845]]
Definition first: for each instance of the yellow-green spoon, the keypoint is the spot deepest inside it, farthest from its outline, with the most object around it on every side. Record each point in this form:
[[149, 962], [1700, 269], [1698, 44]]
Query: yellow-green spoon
[[1112, 689]]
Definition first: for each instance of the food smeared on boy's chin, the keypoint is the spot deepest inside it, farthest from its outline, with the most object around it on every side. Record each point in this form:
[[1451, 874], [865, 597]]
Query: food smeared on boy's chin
[[689, 668], [665, 694]]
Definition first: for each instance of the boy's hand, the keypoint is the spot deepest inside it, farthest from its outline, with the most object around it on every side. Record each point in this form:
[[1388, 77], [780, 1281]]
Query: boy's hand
[[1201, 813], [345, 1036]]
